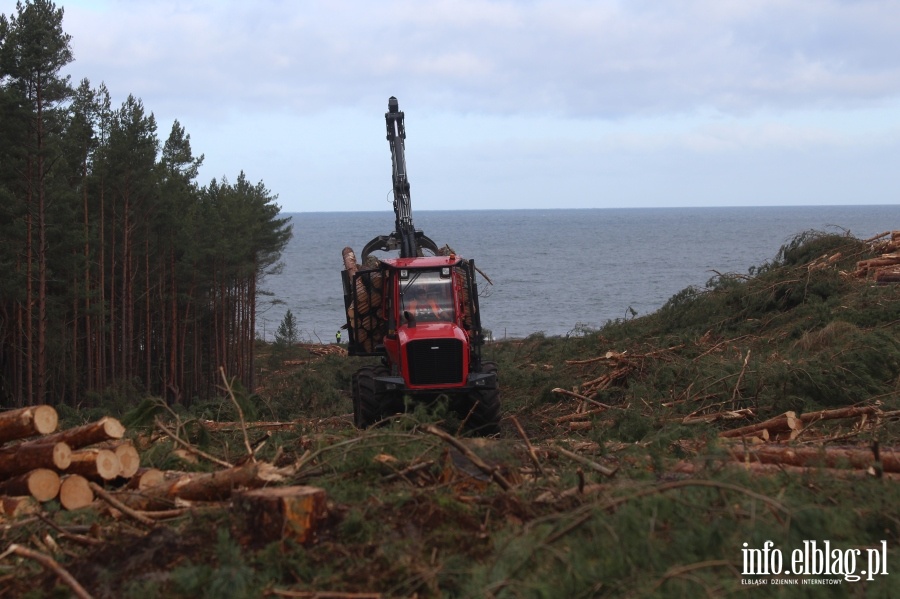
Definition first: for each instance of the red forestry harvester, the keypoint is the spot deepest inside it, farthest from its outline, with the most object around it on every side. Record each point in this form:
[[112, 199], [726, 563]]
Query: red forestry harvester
[[420, 314]]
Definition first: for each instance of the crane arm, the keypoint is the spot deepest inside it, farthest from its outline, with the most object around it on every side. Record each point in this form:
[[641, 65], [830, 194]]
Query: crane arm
[[405, 237], [396, 134]]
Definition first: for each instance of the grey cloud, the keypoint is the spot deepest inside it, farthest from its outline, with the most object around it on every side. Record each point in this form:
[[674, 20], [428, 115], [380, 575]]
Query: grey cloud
[[574, 57]]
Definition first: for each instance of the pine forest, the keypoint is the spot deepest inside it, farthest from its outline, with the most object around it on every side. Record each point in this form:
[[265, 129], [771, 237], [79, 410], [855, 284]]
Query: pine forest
[[120, 272]]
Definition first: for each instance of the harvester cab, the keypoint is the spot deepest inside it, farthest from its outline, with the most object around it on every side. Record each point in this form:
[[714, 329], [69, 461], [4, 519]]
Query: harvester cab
[[420, 314]]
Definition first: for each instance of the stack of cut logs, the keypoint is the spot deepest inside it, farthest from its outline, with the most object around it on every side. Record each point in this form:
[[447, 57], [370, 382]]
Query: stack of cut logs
[[38, 464], [885, 268], [50, 464]]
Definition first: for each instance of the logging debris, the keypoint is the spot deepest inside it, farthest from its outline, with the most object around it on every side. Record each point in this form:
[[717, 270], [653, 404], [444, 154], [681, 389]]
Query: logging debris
[[514, 479], [886, 267]]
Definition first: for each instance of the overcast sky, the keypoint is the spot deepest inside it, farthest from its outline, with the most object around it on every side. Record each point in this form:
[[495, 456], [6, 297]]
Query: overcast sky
[[517, 104]]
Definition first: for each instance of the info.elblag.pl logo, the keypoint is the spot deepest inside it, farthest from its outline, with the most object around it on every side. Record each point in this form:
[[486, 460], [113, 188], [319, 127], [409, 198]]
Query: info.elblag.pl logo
[[814, 562]]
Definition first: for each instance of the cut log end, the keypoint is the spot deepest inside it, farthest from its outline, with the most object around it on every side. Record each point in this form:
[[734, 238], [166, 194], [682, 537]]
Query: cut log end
[[129, 460], [40, 483], [75, 492], [43, 484], [62, 456], [95, 464], [145, 478], [113, 428], [45, 420]]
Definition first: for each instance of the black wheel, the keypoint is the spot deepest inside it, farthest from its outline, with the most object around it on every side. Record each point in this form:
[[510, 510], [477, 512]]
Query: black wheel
[[368, 406], [483, 407]]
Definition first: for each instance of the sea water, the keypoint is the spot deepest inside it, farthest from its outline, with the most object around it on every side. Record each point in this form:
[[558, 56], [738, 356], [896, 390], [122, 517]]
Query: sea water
[[554, 271]]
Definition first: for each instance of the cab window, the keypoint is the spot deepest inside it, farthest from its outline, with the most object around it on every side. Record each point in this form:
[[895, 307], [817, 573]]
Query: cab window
[[427, 295]]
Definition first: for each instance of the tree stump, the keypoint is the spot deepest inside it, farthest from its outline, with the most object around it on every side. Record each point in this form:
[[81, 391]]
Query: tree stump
[[281, 513]]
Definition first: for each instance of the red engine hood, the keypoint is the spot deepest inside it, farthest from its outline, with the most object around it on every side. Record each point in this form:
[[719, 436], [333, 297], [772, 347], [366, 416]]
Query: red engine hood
[[430, 330]]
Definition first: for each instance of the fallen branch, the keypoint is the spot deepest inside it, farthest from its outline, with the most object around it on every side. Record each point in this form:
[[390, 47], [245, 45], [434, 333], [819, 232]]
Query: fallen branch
[[532, 455], [491, 471], [737, 385], [715, 417], [112, 501], [214, 426], [852, 412], [586, 462], [678, 571], [51, 564], [582, 398], [65, 534], [165, 514], [578, 415], [662, 488], [408, 470], [876, 237], [175, 438], [605, 381], [577, 490], [610, 357], [240, 412]]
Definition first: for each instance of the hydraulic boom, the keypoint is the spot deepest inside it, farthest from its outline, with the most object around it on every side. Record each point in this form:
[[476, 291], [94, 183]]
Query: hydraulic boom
[[405, 237]]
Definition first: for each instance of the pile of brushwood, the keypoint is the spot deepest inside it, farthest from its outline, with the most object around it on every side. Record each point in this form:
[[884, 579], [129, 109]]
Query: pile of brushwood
[[744, 434]]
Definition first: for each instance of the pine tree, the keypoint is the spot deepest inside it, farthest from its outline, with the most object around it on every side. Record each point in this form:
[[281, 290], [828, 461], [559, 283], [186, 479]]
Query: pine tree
[[287, 334], [34, 50], [117, 267], [173, 228], [133, 147]]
